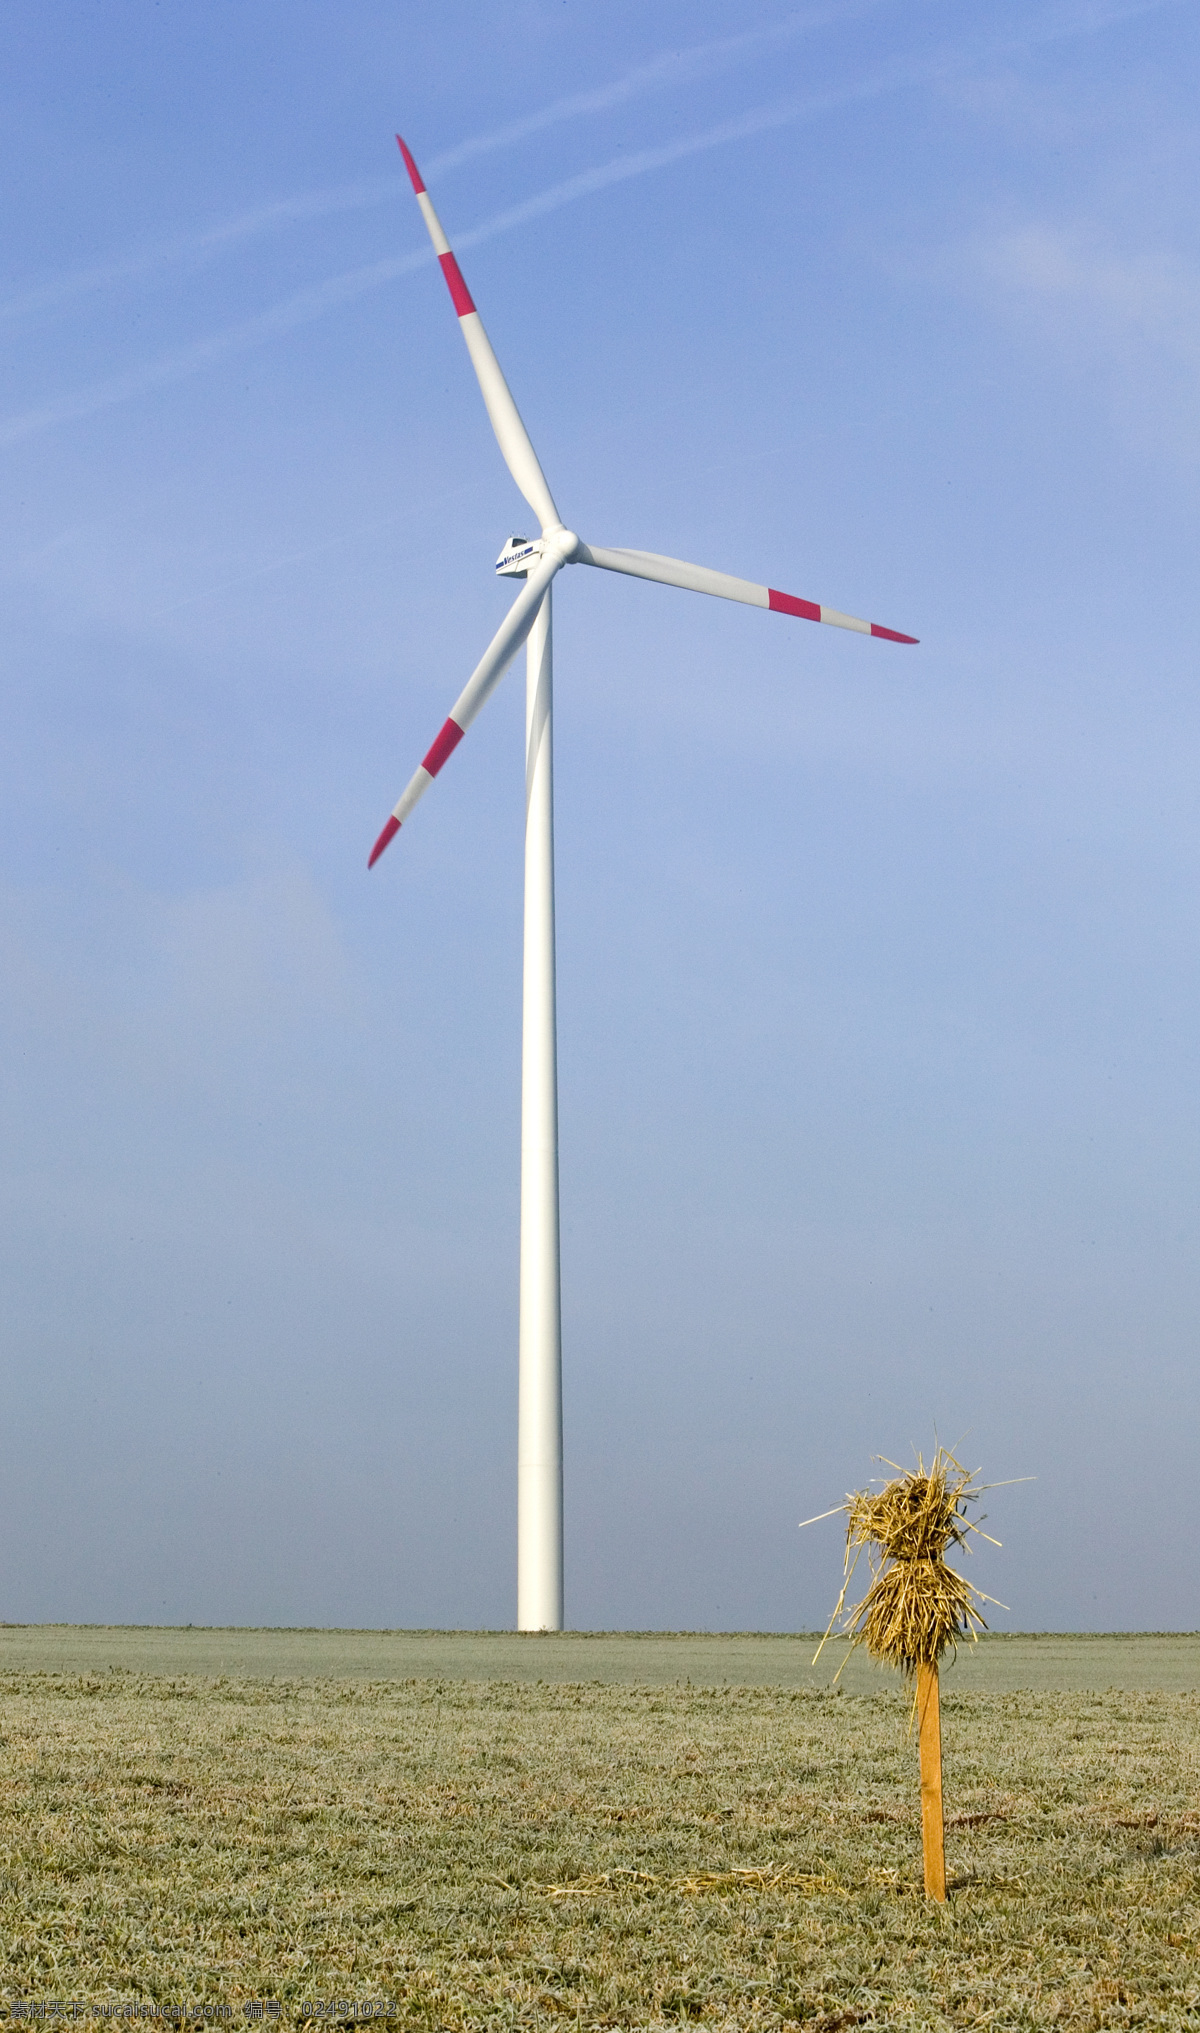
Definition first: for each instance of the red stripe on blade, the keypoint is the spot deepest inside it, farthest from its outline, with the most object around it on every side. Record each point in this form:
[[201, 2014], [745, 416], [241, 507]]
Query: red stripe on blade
[[890, 635], [443, 747], [388, 834], [787, 603], [458, 288], [412, 169]]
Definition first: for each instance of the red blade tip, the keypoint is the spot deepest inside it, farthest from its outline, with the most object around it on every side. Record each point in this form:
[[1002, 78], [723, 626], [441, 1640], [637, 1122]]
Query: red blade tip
[[891, 634], [388, 834], [411, 167]]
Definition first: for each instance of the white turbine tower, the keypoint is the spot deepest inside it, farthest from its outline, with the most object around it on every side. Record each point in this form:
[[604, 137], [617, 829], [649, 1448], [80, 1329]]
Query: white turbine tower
[[539, 1447]]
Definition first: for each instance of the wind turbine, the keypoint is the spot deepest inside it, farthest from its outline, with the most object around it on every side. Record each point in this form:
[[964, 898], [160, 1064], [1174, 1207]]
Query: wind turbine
[[537, 561]]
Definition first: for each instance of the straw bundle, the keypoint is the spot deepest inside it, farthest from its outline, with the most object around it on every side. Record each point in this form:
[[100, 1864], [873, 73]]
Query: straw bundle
[[916, 1604]]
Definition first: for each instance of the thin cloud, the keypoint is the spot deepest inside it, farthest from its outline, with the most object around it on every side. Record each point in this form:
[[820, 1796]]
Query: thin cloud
[[1151, 293], [315, 302], [675, 67], [285, 563], [684, 66], [299, 309], [333, 543], [1063, 23], [194, 249], [1132, 313]]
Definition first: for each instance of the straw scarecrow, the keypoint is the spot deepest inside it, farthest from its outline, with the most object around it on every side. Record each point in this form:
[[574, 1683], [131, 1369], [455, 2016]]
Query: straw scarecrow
[[916, 1605]]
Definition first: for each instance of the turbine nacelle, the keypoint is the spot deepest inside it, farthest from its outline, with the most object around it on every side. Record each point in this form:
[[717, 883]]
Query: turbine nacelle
[[516, 559], [521, 553]]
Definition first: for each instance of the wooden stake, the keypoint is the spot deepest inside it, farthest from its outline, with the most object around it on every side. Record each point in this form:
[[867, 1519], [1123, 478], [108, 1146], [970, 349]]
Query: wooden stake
[[929, 1738]]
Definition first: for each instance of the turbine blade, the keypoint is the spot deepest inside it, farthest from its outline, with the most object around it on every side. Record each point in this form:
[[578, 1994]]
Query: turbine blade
[[487, 673], [511, 434], [700, 579]]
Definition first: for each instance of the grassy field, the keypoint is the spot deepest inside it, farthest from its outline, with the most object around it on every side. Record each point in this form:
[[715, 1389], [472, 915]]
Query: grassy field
[[597, 1851], [996, 1665]]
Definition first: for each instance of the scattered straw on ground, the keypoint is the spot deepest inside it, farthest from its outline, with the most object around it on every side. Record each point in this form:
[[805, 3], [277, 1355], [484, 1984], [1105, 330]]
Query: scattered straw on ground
[[695, 1883]]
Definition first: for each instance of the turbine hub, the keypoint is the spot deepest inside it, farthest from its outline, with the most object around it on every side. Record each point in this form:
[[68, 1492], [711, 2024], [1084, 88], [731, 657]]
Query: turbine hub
[[521, 553]]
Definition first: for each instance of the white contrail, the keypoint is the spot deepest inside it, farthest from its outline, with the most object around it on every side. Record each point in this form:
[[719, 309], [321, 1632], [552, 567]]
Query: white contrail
[[1066, 21], [314, 302], [300, 309], [675, 67], [703, 59], [198, 247], [332, 543]]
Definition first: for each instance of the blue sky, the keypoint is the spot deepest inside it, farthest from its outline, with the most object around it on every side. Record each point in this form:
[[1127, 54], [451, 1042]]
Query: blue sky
[[877, 967]]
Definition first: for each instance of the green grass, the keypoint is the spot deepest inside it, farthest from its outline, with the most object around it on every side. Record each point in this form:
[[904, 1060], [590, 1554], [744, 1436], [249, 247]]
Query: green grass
[[997, 1665], [600, 1854]]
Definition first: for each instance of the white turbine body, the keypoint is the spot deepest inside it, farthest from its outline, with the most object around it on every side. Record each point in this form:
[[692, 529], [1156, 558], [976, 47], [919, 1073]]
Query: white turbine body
[[537, 561], [539, 1408]]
